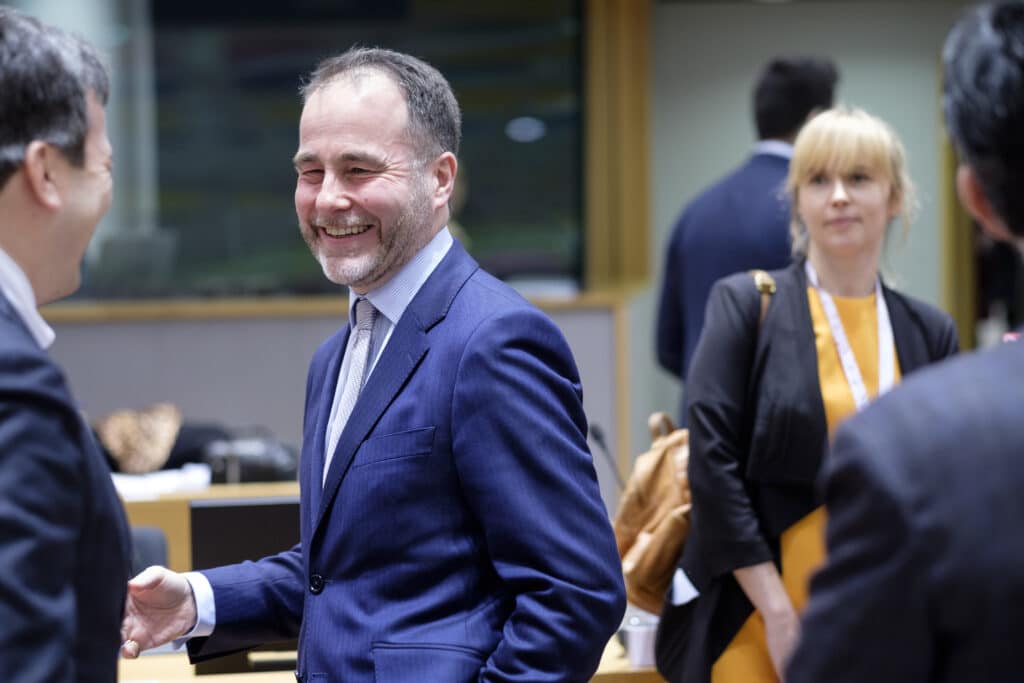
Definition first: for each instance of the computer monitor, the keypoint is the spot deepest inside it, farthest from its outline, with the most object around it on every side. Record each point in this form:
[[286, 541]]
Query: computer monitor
[[230, 530]]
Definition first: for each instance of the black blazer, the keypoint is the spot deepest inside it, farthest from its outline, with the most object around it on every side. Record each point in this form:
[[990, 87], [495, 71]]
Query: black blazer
[[758, 437], [64, 546]]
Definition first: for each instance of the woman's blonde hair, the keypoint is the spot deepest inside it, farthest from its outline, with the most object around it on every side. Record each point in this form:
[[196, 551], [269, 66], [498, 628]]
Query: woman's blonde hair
[[841, 140]]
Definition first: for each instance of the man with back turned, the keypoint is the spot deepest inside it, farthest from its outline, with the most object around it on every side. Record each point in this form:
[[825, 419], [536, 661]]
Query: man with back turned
[[64, 547]]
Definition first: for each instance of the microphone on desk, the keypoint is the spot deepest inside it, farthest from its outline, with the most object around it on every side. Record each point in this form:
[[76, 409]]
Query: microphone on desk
[[597, 434]]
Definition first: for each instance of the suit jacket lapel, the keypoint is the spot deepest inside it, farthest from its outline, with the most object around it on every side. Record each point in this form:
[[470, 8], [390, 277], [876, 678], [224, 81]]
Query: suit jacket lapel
[[405, 350], [325, 403], [792, 291], [911, 349]]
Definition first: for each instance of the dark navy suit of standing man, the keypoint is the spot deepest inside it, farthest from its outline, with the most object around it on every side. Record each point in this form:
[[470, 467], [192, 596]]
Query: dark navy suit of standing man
[[925, 572], [64, 547], [452, 528]]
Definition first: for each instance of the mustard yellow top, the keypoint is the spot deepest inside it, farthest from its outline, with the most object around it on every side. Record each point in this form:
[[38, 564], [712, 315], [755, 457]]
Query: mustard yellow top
[[802, 546]]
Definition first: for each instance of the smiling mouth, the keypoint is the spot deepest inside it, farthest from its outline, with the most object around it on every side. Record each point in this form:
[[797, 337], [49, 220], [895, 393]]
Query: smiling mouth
[[344, 231]]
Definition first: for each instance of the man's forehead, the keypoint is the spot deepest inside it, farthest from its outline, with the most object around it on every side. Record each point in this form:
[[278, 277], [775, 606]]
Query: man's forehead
[[363, 82], [368, 105]]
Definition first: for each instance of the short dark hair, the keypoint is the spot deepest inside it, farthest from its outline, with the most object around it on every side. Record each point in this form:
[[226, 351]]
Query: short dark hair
[[45, 74], [983, 101], [788, 89], [435, 123]]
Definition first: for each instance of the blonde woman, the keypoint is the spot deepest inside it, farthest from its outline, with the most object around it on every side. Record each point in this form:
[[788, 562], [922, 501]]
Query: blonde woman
[[764, 397]]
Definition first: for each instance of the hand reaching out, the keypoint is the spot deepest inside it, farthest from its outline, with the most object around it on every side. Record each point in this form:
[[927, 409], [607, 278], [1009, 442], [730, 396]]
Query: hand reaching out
[[160, 607]]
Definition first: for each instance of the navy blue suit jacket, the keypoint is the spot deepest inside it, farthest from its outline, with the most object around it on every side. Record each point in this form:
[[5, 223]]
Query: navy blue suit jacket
[[925, 496], [739, 223], [64, 546], [460, 535]]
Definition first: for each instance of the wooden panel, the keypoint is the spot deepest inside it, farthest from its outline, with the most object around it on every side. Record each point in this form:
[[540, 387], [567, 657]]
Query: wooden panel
[[598, 210], [617, 211], [959, 268], [174, 668], [172, 516]]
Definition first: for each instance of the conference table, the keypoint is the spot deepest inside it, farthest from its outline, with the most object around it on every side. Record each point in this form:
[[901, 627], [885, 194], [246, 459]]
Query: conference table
[[175, 668]]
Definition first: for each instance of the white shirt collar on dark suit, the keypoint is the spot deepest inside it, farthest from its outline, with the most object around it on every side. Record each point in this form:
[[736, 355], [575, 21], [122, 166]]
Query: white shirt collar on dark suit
[[775, 148], [17, 290]]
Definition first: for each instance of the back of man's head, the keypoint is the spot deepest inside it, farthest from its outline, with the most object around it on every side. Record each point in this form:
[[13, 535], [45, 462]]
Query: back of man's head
[[983, 98], [788, 90], [44, 77]]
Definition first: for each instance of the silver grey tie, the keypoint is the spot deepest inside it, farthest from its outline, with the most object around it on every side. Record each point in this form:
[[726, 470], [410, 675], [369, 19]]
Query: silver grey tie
[[358, 363]]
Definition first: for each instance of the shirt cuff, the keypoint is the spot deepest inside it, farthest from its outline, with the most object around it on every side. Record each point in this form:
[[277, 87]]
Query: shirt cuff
[[206, 608], [683, 591]]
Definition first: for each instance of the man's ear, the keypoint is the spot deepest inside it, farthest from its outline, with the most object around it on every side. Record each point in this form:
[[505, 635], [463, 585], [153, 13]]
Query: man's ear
[[973, 197], [443, 173], [41, 172]]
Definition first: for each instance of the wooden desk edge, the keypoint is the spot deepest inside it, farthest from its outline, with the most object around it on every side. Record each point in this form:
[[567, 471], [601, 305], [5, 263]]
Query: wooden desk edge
[[174, 668]]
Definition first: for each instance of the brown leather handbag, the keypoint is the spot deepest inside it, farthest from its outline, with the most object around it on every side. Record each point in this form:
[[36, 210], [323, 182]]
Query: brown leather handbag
[[654, 514]]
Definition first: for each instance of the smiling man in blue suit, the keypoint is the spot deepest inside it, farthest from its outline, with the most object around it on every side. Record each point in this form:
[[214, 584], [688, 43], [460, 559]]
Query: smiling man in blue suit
[[452, 528]]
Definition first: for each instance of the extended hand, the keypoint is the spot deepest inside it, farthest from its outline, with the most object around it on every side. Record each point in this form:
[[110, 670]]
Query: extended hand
[[160, 607]]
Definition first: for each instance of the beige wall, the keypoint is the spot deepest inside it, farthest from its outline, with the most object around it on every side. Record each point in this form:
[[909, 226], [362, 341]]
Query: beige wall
[[246, 373]]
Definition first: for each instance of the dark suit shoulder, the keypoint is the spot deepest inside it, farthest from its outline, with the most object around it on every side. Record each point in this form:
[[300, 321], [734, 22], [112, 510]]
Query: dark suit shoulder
[[486, 287], [738, 286], [487, 310], [484, 298], [27, 373], [740, 290], [755, 169], [732, 306], [957, 406]]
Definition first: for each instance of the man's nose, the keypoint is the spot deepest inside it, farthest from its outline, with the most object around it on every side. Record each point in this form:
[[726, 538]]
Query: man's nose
[[333, 195]]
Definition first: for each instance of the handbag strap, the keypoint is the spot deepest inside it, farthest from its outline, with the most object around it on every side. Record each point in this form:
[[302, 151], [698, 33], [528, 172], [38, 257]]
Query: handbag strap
[[765, 284]]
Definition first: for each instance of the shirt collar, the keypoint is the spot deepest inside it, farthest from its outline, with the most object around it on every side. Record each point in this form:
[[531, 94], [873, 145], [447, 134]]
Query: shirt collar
[[774, 147], [394, 296], [17, 289]]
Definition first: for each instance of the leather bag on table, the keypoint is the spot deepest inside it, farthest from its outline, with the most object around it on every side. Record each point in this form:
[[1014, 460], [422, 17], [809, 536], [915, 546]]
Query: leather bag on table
[[654, 514]]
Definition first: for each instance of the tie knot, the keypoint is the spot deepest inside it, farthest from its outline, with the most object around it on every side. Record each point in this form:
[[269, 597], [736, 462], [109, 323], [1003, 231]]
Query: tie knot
[[365, 313]]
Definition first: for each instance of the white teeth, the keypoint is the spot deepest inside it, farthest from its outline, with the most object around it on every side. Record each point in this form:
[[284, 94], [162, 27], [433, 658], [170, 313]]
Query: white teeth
[[345, 230]]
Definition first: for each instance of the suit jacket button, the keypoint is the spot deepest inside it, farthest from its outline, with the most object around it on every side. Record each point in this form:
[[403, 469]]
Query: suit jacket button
[[316, 584]]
